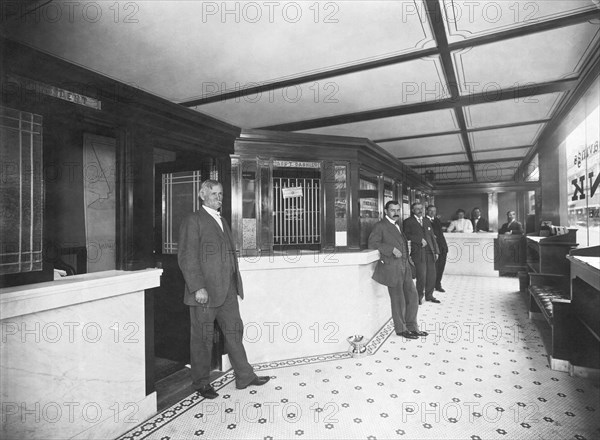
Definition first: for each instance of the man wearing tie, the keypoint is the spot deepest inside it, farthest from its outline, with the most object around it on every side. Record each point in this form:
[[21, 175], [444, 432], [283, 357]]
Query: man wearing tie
[[394, 271], [479, 223], [512, 226], [440, 263], [424, 251], [209, 264]]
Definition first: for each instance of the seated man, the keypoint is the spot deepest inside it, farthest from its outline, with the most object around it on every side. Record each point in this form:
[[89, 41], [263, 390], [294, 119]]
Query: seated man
[[461, 224], [479, 223], [512, 226]]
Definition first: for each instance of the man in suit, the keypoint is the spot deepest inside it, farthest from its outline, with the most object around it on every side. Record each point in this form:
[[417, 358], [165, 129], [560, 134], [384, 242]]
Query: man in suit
[[440, 263], [479, 223], [209, 264], [424, 251], [394, 271], [512, 226]]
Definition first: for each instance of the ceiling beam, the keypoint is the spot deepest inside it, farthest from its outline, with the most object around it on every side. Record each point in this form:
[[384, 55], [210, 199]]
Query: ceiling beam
[[490, 150], [436, 20], [517, 160], [481, 187], [469, 130], [518, 92]]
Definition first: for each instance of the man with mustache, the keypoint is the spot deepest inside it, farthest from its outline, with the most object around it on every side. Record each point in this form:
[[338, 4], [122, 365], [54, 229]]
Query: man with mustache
[[424, 251], [208, 261], [394, 271]]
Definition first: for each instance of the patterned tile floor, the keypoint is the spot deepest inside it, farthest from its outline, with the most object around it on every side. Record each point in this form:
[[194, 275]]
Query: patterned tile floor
[[481, 374]]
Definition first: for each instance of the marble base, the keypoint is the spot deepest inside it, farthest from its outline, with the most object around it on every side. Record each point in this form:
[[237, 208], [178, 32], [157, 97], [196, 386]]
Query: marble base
[[76, 371], [470, 254], [309, 305]]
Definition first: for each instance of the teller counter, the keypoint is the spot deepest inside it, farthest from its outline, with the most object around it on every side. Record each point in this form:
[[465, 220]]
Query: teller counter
[[308, 304], [73, 356], [470, 253]]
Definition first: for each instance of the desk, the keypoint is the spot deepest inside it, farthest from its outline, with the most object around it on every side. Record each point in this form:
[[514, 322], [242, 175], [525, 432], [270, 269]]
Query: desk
[[73, 356], [470, 254]]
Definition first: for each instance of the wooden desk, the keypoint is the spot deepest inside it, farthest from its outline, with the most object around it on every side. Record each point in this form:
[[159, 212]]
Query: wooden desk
[[509, 253]]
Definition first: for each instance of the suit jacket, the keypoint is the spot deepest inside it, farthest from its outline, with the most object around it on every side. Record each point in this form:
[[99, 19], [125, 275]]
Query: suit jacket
[[416, 233], [207, 258], [482, 225], [389, 270], [515, 227], [436, 224]]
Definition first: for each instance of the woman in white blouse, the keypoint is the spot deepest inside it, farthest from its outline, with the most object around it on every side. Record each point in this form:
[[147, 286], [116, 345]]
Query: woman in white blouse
[[461, 224]]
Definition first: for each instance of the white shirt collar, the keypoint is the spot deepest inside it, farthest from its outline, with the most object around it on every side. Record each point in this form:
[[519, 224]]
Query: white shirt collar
[[391, 220], [211, 211], [214, 214]]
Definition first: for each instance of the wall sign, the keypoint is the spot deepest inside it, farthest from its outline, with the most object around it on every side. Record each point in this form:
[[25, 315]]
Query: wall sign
[[295, 164], [293, 191]]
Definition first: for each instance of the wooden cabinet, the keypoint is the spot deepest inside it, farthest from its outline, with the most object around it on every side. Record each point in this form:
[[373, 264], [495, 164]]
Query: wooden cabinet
[[509, 253], [585, 304], [547, 254], [549, 298]]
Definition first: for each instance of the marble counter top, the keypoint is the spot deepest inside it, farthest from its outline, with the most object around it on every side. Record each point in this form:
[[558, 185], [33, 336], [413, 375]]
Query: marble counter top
[[33, 298], [307, 259]]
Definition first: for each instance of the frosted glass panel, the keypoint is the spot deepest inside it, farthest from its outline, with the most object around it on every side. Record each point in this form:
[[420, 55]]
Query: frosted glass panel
[[21, 192]]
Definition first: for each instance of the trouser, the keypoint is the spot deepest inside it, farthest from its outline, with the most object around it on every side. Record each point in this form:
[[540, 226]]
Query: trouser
[[425, 265], [440, 265], [405, 304], [202, 334]]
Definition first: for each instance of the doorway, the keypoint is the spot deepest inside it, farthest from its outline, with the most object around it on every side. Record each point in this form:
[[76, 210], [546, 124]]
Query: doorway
[[176, 188]]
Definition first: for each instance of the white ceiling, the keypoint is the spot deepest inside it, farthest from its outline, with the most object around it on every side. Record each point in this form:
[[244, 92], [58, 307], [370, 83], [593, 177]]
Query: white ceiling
[[376, 69]]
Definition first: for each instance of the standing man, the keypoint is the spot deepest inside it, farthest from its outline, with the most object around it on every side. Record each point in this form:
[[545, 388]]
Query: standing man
[[209, 264], [512, 226], [424, 251], [394, 270], [479, 223], [440, 263]]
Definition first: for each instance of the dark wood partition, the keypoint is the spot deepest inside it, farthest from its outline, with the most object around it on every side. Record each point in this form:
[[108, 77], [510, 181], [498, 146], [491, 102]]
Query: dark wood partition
[[340, 166]]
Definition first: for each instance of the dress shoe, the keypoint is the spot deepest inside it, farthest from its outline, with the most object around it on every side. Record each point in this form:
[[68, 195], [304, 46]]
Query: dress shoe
[[440, 289], [419, 333], [208, 392], [257, 381], [434, 300], [408, 335], [420, 301]]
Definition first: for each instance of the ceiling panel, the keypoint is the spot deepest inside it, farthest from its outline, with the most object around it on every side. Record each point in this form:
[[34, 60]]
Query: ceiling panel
[[493, 172], [468, 19], [504, 154], [505, 137], [512, 111], [540, 57], [434, 162], [185, 51], [399, 84], [453, 173], [182, 49], [397, 126], [424, 146]]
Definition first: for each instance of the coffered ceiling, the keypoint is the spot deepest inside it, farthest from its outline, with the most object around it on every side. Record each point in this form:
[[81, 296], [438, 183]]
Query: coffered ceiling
[[462, 88]]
